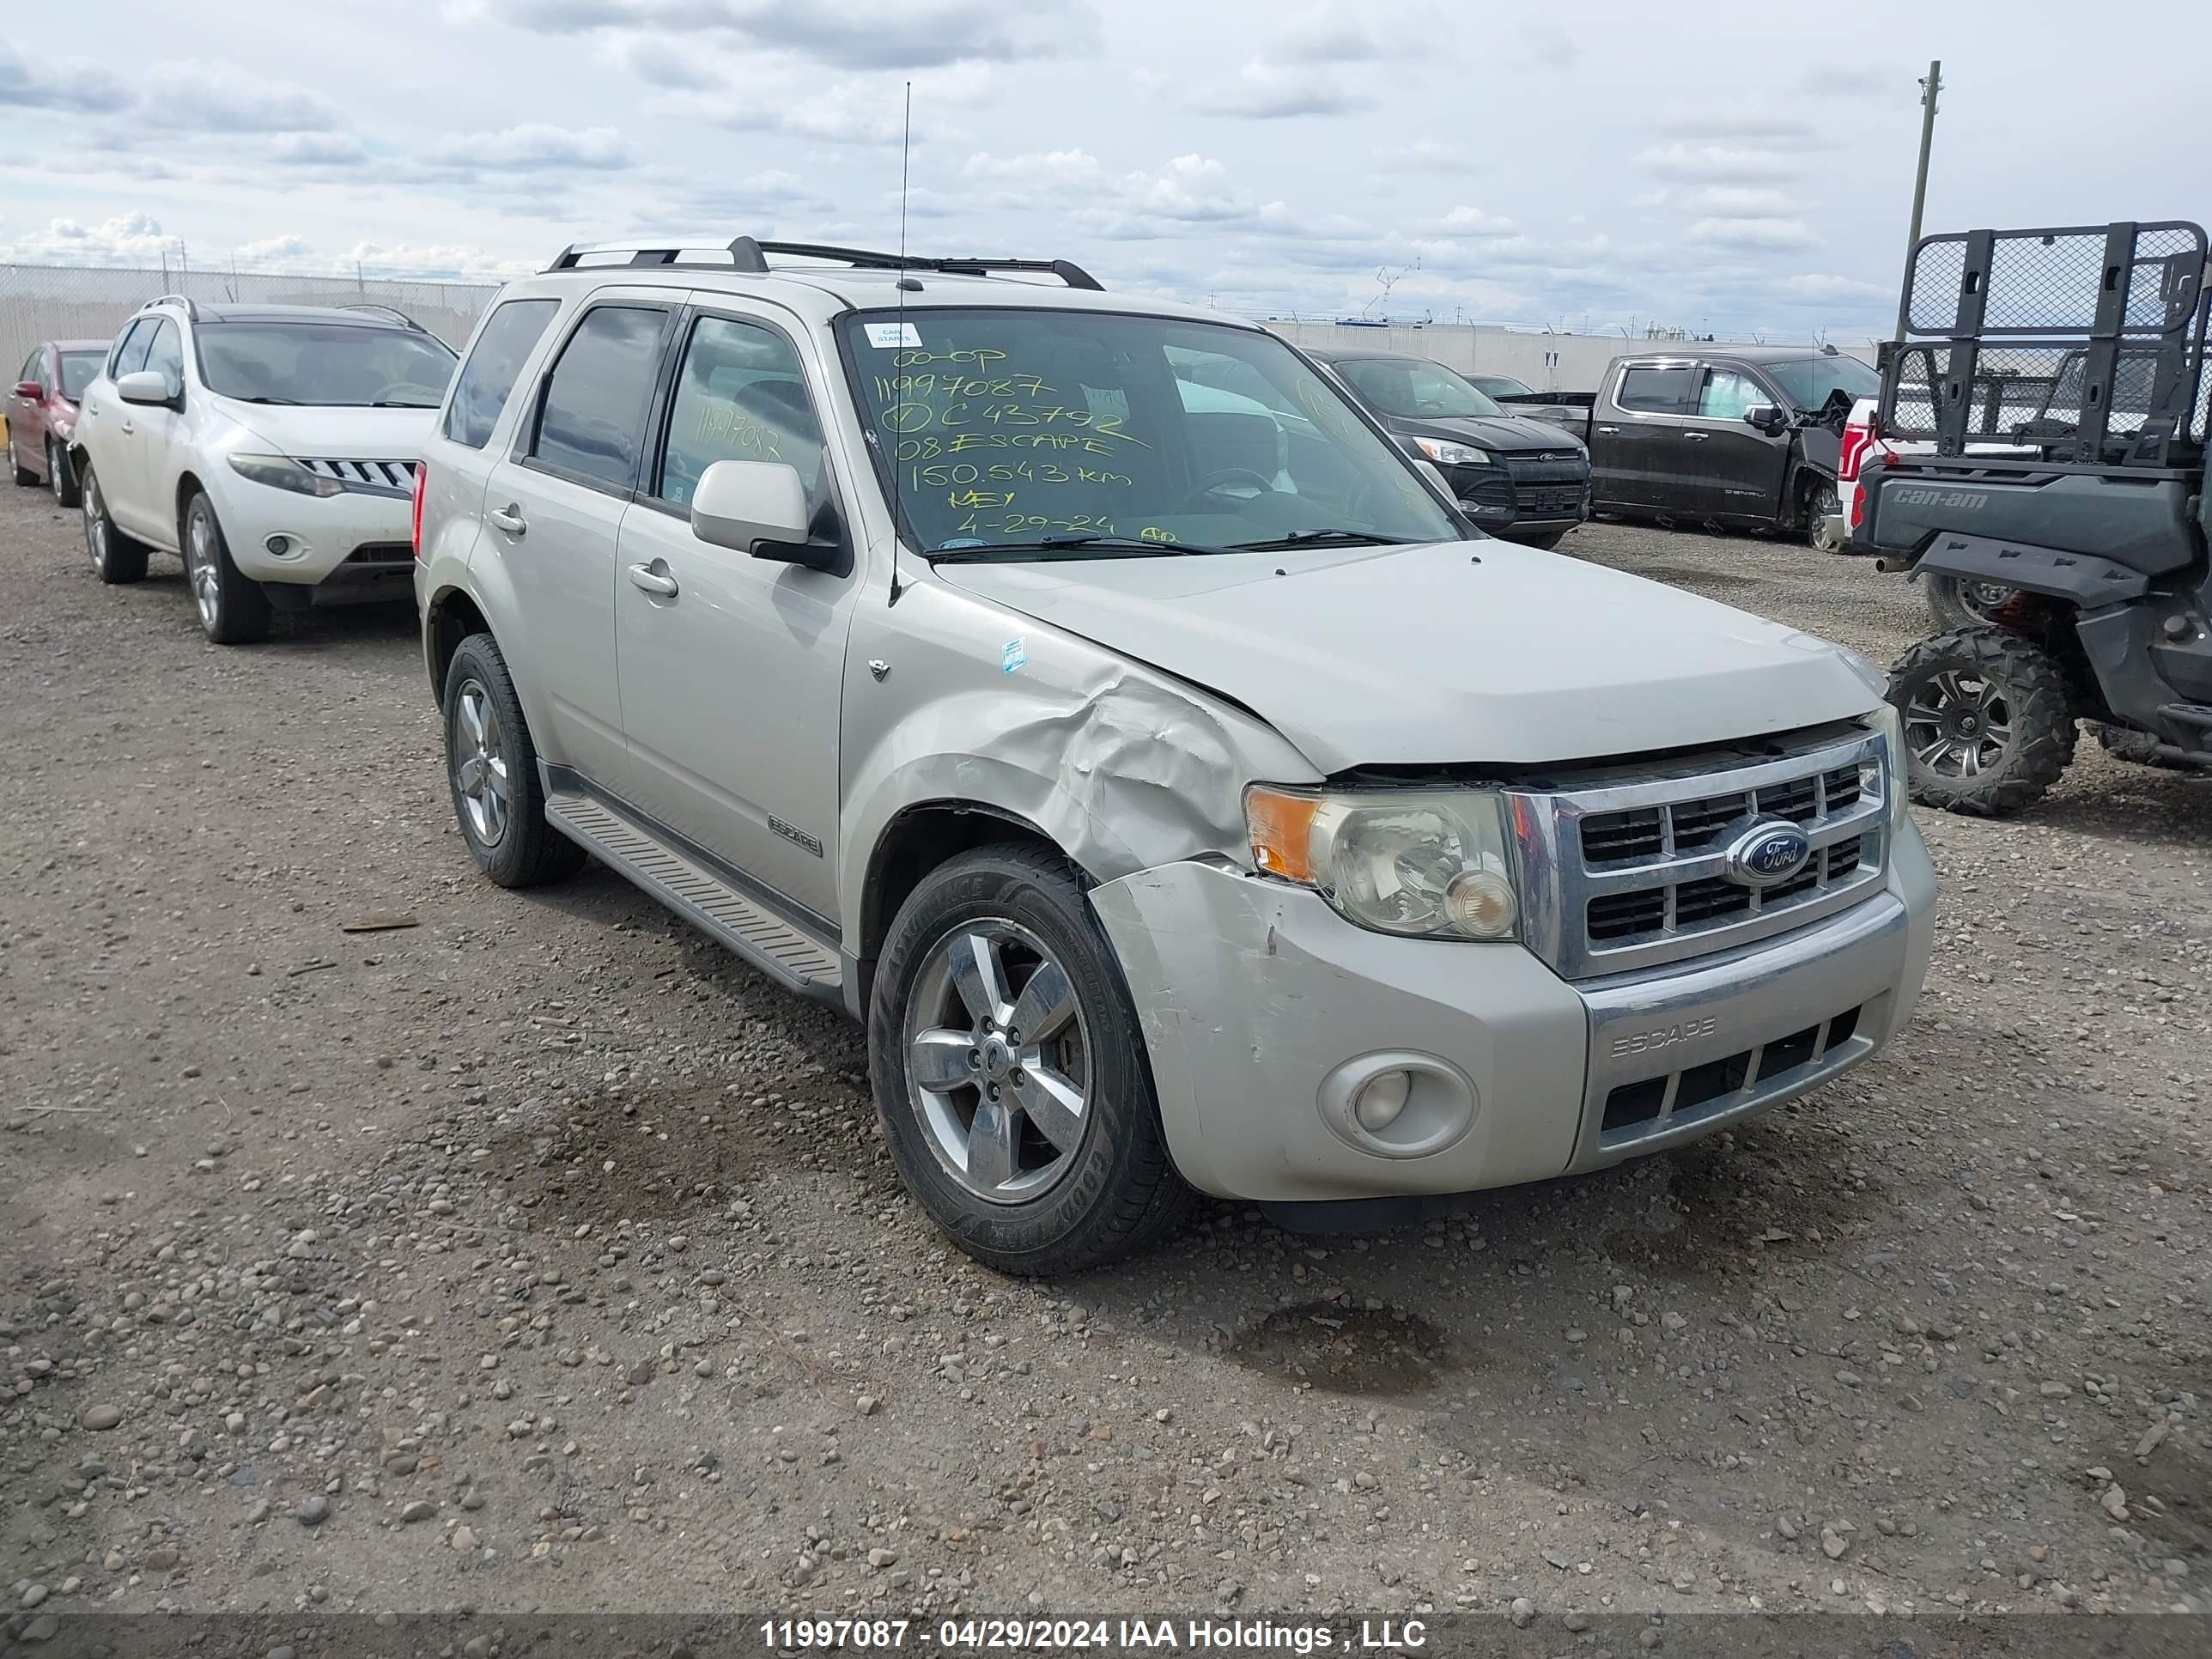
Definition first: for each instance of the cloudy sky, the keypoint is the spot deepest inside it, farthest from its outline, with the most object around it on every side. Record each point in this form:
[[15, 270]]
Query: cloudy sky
[[1718, 165]]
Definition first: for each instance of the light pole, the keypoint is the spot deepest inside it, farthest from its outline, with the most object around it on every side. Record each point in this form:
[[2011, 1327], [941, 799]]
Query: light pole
[[1929, 89]]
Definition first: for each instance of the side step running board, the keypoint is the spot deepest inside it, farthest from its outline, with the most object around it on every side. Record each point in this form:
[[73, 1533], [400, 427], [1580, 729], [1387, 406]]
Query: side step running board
[[785, 954]]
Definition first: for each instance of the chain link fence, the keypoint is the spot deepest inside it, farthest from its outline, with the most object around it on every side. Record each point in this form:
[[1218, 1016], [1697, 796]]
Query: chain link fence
[[91, 302]]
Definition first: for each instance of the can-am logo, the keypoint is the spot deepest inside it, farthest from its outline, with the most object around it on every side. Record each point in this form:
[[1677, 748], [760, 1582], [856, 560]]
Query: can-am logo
[[1963, 501]]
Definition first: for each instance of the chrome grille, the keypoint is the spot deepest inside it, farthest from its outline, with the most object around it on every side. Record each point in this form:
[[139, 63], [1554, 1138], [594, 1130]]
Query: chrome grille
[[370, 478], [1625, 875]]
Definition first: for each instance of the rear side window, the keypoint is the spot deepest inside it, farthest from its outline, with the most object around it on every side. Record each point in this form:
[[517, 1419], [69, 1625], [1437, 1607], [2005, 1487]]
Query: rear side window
[[495, 362], [130, 350], [592, 424], [1658, 391]]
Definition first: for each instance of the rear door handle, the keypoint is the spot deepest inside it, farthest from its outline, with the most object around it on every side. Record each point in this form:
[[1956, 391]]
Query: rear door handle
[[1695, 437], [509, 518], [652, 580], [1608, 430]]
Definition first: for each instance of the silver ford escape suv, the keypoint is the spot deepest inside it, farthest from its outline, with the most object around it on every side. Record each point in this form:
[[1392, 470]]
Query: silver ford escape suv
[[1086, 694]]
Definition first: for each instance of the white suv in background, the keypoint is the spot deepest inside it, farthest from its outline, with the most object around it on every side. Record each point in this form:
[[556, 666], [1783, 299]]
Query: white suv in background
[[271, 447]]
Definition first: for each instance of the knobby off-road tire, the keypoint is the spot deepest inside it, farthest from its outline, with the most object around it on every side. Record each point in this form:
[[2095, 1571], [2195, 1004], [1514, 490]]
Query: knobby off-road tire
[[491, 771], [116, 557], [1958, 601], [1989, 721], [976, 1108], [233, 608]]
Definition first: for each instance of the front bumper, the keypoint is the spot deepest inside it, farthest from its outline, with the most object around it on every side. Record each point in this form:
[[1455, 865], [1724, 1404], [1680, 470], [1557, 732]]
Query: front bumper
[[346, 536], [1260, 1007]]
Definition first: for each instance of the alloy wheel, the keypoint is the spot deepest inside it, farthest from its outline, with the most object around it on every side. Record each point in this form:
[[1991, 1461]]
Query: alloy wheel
[[55, 461], [480, 767], [1958, 724], [998, 1060], [95, 521], [204, 565]]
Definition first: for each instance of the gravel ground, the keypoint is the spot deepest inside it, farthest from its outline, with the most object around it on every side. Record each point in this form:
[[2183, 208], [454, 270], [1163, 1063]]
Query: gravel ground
[[539, 1255]]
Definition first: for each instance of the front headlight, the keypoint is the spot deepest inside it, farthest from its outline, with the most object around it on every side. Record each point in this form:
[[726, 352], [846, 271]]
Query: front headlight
[[282, 472], [1430, 865], [1444, 454], [1886, 721]]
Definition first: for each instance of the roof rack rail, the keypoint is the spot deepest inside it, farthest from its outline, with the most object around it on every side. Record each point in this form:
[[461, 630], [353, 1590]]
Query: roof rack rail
[[184, 300], [749, 255], [393, 312]]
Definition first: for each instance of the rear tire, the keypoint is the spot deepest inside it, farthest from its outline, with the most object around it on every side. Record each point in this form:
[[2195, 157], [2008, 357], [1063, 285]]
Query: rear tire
[[1989, 721], [232, 606], [491, 772], [1040, 1152], [116, 557], [1958, 602], [1821, 504], [60, 475]]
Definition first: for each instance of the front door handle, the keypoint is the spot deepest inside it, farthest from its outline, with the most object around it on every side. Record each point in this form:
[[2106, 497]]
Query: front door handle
[[1608, 430], [652, 580], [128, 428], [509, 518], [1695, 437]]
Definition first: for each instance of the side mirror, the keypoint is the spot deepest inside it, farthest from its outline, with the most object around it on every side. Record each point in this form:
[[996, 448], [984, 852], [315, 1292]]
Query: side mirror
[[758, 508], [1766, 417], [29, 390], [146, 387]]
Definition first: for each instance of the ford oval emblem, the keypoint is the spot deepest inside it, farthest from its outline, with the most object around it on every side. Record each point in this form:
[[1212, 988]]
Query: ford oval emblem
[[1768, 854]]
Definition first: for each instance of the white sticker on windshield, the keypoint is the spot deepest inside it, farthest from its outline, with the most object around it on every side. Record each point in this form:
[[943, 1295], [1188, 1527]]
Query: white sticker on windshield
[[889, 335]]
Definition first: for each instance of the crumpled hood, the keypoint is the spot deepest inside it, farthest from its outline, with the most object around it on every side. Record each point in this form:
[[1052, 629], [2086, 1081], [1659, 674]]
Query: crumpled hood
[[1507, 435], [1481, 653], [338, 434]]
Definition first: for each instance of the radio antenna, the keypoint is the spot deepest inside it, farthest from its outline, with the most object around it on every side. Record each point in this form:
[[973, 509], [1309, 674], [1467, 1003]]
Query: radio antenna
[[906, 143]]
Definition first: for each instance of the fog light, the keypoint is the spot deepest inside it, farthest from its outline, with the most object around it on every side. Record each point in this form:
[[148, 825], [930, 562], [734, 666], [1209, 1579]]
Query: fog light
[[280, 546], [1381, 1098], [1480, 904]]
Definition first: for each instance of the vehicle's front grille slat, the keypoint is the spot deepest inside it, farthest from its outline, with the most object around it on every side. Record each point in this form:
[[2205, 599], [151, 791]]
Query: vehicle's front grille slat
[[1641, 877]]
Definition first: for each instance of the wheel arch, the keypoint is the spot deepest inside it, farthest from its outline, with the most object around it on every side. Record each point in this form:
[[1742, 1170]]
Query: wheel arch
[[451, 616], [918, 839]]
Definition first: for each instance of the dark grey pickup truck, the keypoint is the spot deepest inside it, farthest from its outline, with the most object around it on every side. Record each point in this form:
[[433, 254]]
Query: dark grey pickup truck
[[1744, 436]]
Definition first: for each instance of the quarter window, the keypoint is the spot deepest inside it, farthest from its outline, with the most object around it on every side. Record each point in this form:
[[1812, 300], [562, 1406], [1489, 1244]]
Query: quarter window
[[165, 356], [1657, 391], [595, 398], [495, 363], [740, 396], [1727, 394], [130, 350]]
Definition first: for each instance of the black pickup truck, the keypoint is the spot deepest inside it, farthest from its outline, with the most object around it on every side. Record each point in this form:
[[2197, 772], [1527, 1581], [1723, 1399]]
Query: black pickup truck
[[1514, 475], [1743, 436]]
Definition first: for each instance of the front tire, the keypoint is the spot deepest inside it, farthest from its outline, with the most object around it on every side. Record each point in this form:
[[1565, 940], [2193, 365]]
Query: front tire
[[1989, 721], [1010, 1074], [60, 475], [1958, 601], [491, 771], [232, 606], [116, 557]]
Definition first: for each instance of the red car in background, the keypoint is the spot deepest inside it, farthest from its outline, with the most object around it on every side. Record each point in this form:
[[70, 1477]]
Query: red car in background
[[43, 408]]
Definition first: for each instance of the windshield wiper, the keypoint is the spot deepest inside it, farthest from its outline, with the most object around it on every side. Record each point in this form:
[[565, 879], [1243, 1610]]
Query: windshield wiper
[[258, 398], [399, 403], [1115, 546], [1309, 538]]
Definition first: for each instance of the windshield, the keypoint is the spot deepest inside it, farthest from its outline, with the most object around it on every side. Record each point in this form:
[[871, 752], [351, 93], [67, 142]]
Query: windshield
[[1413, 389], [1502, 385], [328, 364], [1809, 382], [1009, 427], [79, 370]]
